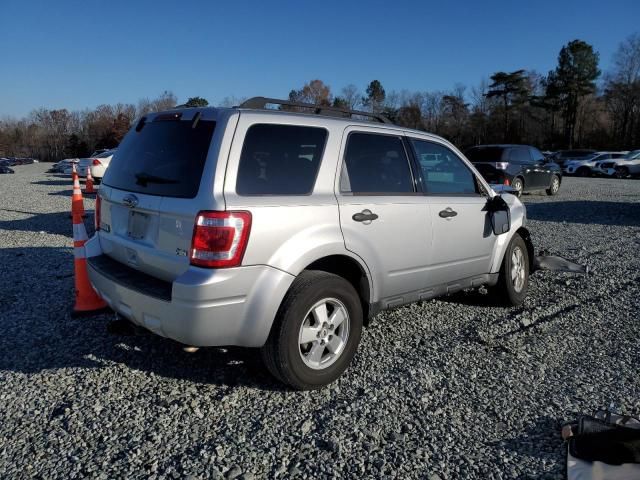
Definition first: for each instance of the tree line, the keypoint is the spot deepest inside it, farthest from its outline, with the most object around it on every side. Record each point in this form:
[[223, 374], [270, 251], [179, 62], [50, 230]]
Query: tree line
[[574, 105]]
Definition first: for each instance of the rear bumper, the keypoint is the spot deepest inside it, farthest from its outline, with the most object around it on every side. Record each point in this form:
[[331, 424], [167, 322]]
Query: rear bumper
[[202, 307]]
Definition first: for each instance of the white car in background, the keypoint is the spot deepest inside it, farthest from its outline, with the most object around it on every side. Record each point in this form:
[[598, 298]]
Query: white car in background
[[65, 166], [99, 164], [622, 167], [586, 167]]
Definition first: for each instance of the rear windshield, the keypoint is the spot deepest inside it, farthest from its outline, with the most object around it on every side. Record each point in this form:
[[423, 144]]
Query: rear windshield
[[163, 157], [485, 154]]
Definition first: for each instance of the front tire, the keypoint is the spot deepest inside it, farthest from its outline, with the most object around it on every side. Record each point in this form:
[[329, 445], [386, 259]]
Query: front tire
[[513, 280], [554, 186], [518, 185], [316, 331], [622, 172]]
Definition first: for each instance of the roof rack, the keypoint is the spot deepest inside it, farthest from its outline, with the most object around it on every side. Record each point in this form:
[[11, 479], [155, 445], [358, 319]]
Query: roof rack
[[261, 102]]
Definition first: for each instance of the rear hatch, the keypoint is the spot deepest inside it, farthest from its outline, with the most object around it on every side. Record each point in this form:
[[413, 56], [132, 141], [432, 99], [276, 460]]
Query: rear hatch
[[489, 161], [154, 188]]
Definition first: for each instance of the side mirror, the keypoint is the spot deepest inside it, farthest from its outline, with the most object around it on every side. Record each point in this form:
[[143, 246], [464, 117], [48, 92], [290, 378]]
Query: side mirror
[[500, 215], [501, 221]]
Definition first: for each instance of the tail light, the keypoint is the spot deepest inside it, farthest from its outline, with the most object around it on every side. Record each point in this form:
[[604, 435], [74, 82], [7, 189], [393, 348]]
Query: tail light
[[507, 182], [96, 215], [96, 162], [220, 239]]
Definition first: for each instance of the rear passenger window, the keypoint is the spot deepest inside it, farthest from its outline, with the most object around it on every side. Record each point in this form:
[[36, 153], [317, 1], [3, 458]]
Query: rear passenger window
[[536, 155], [280, 160], [443, 172], [375, 164], [520, 155]]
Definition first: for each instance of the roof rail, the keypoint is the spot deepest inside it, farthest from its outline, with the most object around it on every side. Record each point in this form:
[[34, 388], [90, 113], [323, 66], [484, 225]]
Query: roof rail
[[261, 102]]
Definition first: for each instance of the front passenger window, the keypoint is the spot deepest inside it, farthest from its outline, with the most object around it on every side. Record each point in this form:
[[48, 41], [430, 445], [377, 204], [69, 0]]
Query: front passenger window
[[375, 164], [443, 172]]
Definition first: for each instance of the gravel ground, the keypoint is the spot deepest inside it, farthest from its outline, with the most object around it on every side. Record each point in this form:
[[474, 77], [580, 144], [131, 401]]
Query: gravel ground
[[451, 388]]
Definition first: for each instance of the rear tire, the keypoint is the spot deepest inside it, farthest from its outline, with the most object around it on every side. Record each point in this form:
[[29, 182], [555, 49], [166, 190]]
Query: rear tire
[[554, 186], [622, 172], [518, 185], [303, 351], [513, 280]]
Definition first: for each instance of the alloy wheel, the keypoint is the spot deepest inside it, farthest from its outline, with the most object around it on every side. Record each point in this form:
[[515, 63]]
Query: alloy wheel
[[518, 270], [324, 333]]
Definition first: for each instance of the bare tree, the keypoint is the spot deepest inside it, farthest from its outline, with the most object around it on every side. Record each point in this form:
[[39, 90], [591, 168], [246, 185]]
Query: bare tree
[[351, 96]]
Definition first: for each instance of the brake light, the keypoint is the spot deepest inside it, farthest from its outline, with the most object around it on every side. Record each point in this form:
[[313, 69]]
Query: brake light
[[220, 239], [507, 182], [96, 215], [96, 162]]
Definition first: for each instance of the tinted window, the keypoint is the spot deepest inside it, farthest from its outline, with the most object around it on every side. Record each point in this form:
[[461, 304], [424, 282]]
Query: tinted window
[[375, 164], [443, 172], [519, 155], [617, 155], [164, 157], [485, 154], [536, 155], [280, 160]]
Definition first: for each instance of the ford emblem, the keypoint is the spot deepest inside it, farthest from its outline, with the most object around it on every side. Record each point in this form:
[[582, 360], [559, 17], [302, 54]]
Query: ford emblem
[[130, 200]]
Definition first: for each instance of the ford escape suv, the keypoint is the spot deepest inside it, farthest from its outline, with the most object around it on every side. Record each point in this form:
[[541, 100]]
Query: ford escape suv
[[288, 231]]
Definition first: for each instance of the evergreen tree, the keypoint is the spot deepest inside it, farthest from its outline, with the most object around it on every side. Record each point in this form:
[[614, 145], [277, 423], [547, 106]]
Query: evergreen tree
[[575, 78]]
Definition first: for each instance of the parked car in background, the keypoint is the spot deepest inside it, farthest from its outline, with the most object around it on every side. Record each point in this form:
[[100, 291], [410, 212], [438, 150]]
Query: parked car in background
[[586, 167], [621, 168], [99, 151], [82, 167], [100, 163], [67, 165], [522, 167], [6, 169], [60, 166], [563, 156]]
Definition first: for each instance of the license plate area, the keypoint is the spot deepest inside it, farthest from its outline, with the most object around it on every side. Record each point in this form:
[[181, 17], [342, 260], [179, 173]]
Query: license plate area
[[137, 225]]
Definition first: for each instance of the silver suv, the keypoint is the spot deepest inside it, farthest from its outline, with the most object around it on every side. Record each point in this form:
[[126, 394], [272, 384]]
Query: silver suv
[[288, 231]]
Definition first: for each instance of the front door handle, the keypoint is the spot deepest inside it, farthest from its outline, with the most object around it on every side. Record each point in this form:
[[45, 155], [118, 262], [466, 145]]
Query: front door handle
[[447, 213], [364, 216]]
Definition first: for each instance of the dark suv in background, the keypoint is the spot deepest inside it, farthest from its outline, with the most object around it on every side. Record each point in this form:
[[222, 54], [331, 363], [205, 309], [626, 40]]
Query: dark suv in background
[[521, 166]]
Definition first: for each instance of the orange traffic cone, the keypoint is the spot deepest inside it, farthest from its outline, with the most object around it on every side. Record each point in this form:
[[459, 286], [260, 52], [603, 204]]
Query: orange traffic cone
[[87, 300], [77, 206], [89, 184]]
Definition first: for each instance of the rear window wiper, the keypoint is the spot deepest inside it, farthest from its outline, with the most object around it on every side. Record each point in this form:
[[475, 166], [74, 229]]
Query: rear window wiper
[[143, 179]]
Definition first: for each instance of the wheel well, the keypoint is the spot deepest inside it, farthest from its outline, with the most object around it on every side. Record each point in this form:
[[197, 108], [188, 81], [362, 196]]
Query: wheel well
[[526, 236], [350, 270]]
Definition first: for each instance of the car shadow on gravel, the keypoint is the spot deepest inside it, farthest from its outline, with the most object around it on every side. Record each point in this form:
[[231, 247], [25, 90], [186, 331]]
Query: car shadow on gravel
[[54, 183], [39, 333], [541, 439], [230, 366], [586, 211], [57, 223], [64, 193]]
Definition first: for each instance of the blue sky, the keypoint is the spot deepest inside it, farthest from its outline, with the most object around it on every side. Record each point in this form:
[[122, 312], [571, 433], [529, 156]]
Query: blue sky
[[79, 54]]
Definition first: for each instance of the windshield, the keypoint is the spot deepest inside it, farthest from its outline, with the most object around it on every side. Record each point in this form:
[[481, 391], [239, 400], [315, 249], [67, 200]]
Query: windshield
[[163, 157], [106, 154], [634, 155]]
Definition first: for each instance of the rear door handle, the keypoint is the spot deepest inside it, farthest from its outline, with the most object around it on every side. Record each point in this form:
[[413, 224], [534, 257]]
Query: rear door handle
[[448, 213], [364, 216]]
